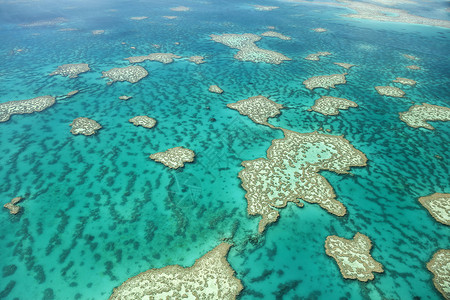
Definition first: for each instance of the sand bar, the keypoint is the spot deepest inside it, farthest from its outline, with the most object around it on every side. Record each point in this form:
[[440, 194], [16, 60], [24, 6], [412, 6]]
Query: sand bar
[[28, 106], [353, 256], [418, 115]]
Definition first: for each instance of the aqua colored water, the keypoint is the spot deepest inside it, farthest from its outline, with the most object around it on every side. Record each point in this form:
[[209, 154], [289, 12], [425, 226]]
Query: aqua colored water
[[97, 210]]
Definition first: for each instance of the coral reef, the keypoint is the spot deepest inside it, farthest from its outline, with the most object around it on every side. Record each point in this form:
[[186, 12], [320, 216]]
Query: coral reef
[[439, 266], [328, 105], [291, 171], [418, 115], [125, 97], [180, 8], [344, 65], [28, 106], [325, 81], [143, 121], [197, 59], [413, 67], [259, 109], [353, 256], [248, 51], [138, 18], [275, 34], [265, 8], [438, 205], [131, 74], [211, 277], [13, 208], [405, 81], [174, 158], [390, 91], [215, 89], [319, 29], [316, 56], [71, 70], [165, 58], [84, 126]]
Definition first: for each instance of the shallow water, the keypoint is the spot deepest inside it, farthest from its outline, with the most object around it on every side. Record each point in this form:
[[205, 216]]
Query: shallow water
[[97, 210]]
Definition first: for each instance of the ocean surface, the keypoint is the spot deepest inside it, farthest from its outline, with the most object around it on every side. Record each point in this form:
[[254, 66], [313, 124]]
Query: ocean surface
[[97, 210]]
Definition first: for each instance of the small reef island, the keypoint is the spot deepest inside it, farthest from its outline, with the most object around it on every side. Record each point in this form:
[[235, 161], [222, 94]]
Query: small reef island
[[174, 158], [71, 70], [438, 266], [418, 115], [438, 205], [325, 81], [353, 256], [259, 109], [84, 126], [248, 51], [330, 106], [28, 106], [211, 277], [132, 74]]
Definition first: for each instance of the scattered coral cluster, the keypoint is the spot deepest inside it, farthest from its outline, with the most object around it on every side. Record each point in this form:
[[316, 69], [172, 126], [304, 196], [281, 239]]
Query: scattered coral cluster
[[165, 58]]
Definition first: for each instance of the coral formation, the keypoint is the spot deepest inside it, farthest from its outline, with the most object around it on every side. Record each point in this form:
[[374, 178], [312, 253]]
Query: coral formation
[[197, 59], [418, 115], [259, 109], [405, 81], [275, 34], [390, 91], [328, 105], [344, 65], [84, 126], [174, 158], [291, 171], [248, 51], [215, 89], [28, 106], [143, 121], [13, 208], [71, 70], [265, 8], [325, 81], [438, 205], [439, 266], [353, 256], [131, 74], [165, 58], [316, 56], [211, 277]]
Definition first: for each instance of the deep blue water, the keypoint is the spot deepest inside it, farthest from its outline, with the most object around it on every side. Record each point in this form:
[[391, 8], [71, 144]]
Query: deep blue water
[[97, 210]]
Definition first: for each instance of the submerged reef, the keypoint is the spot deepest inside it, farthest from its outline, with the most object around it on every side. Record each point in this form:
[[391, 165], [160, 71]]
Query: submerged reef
[[84, 126], [439, 266], [353, 256], [291, 171], [165, 58], [211, 277], [275, 34], [125, 97], [328, 105], [413, 67], [259, 109], [405, 81], [71, 70], [390, 91], [131, 74], [344, 65], [98, 32], [143, 121], [180, 8], [11, 205], [316, 56], [325, 81], [412, 57], [319, 29], [438, 205], [215, 89], [28, 106], [174, 158], [418, 115], [248, 51], [197, 59], [138, 18], [265, 8]]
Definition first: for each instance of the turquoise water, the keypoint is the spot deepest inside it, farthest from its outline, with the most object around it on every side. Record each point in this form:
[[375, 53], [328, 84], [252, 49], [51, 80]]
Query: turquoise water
[[97, 210]]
